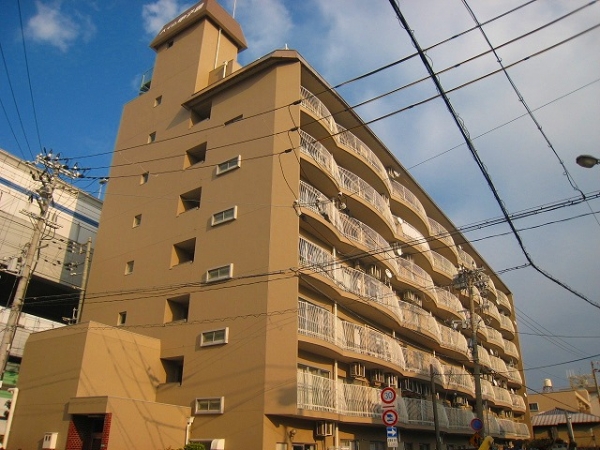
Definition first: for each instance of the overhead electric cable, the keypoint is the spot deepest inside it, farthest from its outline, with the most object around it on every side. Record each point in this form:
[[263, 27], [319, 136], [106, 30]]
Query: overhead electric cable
[[461, 126]]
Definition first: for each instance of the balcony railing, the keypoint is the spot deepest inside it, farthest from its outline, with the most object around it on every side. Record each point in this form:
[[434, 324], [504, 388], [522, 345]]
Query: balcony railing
[[518, 402], [312, 103], [514, 376], [502, 397], [443, 264], [491, 310], [507, 324], [499, 366], [466, 259], [453, 340], [413, 237], [318, 152], [494, 337], [317, 393], [459, 379], [416, 275], [406, 196], [503, 300], [440, 233], [448, 301], [510, 349]]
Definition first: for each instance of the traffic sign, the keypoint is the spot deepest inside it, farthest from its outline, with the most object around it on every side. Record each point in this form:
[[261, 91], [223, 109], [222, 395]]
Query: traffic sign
[[390, 417], [392, 432], [476, 424], [392, 442], [388, 395]]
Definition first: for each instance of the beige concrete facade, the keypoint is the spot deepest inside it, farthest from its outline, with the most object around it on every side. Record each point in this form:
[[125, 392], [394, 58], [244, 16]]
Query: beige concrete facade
[[261, 265]]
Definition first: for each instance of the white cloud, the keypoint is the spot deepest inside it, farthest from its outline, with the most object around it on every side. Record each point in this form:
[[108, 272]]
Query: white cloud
[[53, 26], [158, 13]]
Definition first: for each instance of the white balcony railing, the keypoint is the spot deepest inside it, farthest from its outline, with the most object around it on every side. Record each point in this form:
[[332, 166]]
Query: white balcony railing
[[507, 324], [440, 233], [442, 264], [503, 300], [318, 152]]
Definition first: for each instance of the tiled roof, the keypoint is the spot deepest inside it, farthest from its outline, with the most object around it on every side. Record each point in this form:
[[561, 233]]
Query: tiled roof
[[557, 416]]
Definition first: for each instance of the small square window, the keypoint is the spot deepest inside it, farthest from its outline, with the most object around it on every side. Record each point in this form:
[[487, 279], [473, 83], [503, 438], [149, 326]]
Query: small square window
[[144, 177], [200, 113], [189, 200], [229, 165], [137, 220], [195, 155], [173, 369], [219, 273], [158, 100], [214, 337], [534, 407], [177, 309], [183, 252], [152, 137], [122, 318], [170, 44], [224, 216], [128, 267], [211, 405]]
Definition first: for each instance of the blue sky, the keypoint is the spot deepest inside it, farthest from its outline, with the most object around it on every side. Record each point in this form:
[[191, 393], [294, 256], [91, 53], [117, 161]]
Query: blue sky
[[85, 59]]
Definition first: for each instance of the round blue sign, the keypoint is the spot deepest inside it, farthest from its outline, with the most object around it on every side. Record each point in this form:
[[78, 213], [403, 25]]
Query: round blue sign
[[476, 424]]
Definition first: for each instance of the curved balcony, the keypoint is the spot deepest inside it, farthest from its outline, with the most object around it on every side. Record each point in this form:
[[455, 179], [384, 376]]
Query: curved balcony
[[522, 430], [492, 288], [495, 339], [358, 148], [357, 188], [465, 259], [453, 341], [449, 306], [419, 320], [503, 302], [318, 323], [490, 310], [518, 404], [345, 279], [507, 327], [443, 267], [514, 377], [420, 412], [320, 166], [412, 276], [352, 229], [319, 111], [499, 366], [487, 391], [510, 429], [445, 244], [502, 397], [417, 361], [409, 206], [418, 247], [458, 379], [510, 350], [483, 356]]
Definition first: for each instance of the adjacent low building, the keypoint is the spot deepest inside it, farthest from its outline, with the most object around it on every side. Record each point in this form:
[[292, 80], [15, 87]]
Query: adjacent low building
[[264, 268]]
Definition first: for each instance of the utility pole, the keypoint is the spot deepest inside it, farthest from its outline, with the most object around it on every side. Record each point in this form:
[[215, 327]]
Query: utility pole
[[436, 420], [470, 279], [594, 370], [48, 178], [84, 278]]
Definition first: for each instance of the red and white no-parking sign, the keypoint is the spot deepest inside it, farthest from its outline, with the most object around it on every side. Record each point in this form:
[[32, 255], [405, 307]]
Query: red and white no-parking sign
[[389, 418]]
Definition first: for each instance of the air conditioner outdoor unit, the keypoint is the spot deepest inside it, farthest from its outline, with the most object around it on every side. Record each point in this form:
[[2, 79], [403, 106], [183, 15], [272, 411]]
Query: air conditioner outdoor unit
[[323, 429], [376, 376], [391, 380], [357, 370]]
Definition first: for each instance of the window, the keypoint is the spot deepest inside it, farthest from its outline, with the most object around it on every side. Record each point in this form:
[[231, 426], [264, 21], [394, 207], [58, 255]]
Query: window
[[137, 220], [534, 407], [200, 113], [211, 405], [224, 216], [170, 44], [219, 273], [173, 369], [158, 100], [128, 267], [152, 137], [177, 308], [235, 119], [189, 200], [122, 318], [214, 337], [183, 252], [195, 155], [229, 165], [144, 177]]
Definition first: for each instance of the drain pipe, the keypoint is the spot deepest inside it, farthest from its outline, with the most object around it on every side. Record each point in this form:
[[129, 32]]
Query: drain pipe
[[11, 414]]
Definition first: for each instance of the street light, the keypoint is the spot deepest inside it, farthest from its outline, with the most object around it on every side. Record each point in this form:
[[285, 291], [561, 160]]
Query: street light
[[587, 161]]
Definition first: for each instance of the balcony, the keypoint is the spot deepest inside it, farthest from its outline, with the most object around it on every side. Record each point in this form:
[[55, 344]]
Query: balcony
[[453, 341], [507, 327], [499, 366], [443, 266], [490, 310], [317, 393], [319, 110], [510, 350], [514, 377], [449, 306], [502, 397], [413, 276], [448, 247], [419, 320], [495, 339], [324, 163], [417, 246], [518, 403], [503, 302], [465, 259], [410, 207], [458, 379]]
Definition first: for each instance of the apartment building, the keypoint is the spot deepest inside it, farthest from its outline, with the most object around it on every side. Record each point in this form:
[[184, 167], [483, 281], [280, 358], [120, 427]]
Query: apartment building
[[264, 268]]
